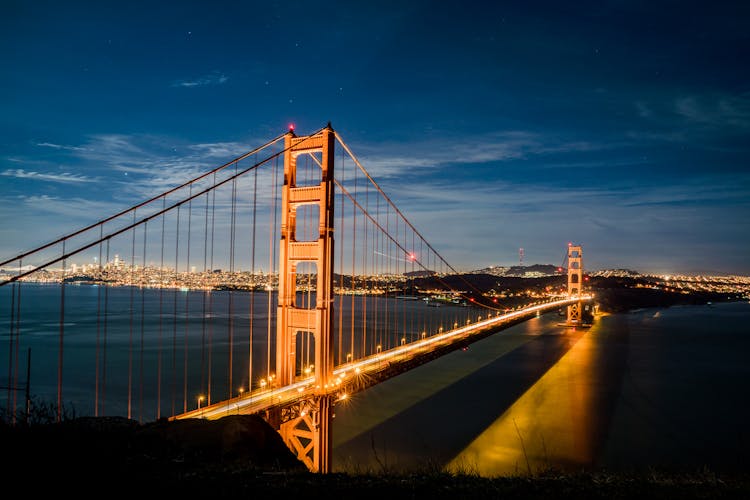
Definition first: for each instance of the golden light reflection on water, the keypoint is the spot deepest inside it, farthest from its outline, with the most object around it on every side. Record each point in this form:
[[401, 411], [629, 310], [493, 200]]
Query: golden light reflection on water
[[551, 424]]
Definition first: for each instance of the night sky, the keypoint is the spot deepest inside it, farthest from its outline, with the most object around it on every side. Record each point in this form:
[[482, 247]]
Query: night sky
[[622, 126]]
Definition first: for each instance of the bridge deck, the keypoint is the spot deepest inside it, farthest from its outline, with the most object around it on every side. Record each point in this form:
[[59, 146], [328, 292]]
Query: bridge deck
[[358, 375]]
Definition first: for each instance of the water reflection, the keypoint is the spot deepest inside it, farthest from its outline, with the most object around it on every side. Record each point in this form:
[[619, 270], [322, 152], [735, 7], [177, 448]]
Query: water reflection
[[651, 389], [560, 421], [453, 399]]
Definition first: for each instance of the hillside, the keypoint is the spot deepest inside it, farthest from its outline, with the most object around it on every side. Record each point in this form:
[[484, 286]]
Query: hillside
[[242, 455]]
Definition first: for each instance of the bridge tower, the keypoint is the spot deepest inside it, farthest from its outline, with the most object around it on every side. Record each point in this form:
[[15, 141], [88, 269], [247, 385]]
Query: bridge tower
[[575, 283], [305, 427]]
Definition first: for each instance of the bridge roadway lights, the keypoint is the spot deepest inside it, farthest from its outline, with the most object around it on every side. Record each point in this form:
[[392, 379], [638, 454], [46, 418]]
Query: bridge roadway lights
[[304, 421]]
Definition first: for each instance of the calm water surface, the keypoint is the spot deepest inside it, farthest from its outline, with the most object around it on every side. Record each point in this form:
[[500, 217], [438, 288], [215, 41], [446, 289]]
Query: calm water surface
[[162, 349], [662, 388]]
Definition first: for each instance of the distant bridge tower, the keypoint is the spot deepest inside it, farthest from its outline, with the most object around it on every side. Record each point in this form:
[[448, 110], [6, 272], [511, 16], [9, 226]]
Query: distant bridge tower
[[305, 427], [575, 283]]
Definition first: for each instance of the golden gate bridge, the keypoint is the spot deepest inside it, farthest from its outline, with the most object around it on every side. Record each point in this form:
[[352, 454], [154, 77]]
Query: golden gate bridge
[[188, 325]]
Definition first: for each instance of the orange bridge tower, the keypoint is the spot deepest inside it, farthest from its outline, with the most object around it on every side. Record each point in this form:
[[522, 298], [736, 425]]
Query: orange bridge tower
[[305, 427], [575, 284]]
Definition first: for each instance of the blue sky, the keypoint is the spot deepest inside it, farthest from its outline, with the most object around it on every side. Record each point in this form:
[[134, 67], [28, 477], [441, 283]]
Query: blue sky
[[622, 126]]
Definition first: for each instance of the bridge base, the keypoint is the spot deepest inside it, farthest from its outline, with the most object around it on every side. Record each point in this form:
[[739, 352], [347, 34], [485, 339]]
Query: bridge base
[[305, 427], [579, 315], [575, 325]]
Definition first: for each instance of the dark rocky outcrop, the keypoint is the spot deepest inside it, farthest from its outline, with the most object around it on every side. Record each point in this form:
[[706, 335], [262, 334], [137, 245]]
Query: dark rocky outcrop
[[162, 452]]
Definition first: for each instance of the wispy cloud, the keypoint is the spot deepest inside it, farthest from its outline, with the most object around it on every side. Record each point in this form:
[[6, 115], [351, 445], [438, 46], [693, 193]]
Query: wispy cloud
[[64, 177], [60, 146], [383, 167], [503, 146], [711, 121], [119, 152], [219, 149], [142, 166], [643, 110], [79, 208], [646, 136], [497, 146], [715, 110], [214, 78]]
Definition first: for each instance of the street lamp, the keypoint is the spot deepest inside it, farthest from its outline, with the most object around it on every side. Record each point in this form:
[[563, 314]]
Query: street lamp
[[378, 348], [262, 383], [242, 389], [348, 357], [200, 400], [403, 340]]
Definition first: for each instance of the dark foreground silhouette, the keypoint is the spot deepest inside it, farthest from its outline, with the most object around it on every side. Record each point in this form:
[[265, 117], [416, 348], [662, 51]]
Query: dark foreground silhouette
[[242, 454]]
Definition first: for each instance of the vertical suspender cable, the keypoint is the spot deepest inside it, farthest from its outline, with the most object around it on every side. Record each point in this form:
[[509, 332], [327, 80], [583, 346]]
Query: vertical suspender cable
[[268, 277], [143, 328], [406, 284], [211, 296], [232, 233], [252, 273], [376, 282], [387, 272], [175, 288], [161, 316], [341, 263], [62, 333], [364, 276], [131, 279], [18, 331], [276, 229], [411, 280], [11, 386], [354, 260], [13, 352], [98, 325], [104, 337], [396, 255], [271, 254], [376, 271], [205, 292], [187, 305]]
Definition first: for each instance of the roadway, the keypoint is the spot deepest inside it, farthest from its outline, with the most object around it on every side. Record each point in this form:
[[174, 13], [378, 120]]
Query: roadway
[[360, 374]]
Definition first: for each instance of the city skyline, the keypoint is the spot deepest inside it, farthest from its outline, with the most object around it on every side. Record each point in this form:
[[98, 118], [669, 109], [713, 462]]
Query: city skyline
[[620, 127]]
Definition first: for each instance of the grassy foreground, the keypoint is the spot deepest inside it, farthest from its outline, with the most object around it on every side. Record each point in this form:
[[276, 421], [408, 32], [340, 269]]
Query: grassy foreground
[[449, 486]]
